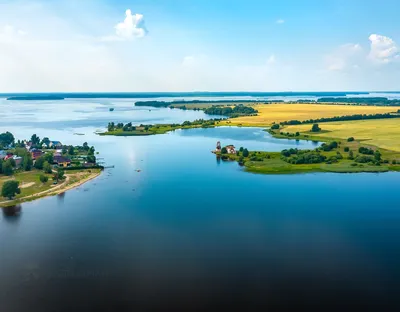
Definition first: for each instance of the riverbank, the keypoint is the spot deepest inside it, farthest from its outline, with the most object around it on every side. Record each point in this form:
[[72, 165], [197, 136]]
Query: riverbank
[[34, 189]]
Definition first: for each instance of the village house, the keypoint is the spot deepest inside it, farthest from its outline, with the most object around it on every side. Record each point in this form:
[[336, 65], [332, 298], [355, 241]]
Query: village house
[[18, 160], [230, 149], [61, 161], [36, 153], [55, 144]]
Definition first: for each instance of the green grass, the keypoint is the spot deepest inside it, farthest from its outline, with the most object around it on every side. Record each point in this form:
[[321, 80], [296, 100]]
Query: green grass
[[28, 177]]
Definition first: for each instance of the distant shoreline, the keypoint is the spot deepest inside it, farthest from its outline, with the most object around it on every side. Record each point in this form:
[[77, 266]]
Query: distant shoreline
[[35, 98]]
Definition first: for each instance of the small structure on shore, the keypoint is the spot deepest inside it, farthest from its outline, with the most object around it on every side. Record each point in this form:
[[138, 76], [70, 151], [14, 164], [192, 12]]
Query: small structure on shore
[[230, 149], [218, 148]]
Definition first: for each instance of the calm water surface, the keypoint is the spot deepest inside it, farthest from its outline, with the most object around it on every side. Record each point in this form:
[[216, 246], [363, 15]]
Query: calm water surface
[[192, 232]]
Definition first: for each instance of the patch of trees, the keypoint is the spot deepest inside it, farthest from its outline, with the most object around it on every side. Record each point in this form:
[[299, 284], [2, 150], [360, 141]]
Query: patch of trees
[[341, 118], [366, 151], [295, 156], [236, 111], [275, 127], [327, 147]]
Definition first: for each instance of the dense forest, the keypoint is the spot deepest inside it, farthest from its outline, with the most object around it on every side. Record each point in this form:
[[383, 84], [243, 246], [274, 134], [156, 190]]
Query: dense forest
[[236, 111], [341, 118]]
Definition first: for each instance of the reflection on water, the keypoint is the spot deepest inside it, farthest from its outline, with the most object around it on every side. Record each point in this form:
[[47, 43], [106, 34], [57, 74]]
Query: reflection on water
[[12, 213]]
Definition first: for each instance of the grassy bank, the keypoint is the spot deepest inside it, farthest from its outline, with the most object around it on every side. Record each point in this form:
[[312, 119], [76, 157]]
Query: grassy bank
[[32, 188], [342, 159]]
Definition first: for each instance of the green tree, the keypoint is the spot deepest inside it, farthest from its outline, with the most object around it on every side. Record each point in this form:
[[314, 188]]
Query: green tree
[[45, 141], [91, 159], [39, 162], [351, 155], [315, 128], [85, 146], [223, 150], [27, 162], [47, 167], [378, 156], [7, 168], [245, 153], [35, 140], [10, 189], [91, 151], [351, 139], [58, 175], [48, 157], [71, 150], [6, 139], [346, 149], [241, 149], [43, 178]]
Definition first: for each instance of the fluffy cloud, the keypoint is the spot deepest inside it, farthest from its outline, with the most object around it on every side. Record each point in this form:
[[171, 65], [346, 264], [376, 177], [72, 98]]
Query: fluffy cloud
[[132, 27], [383, 49], [345, 57], [280, 21]]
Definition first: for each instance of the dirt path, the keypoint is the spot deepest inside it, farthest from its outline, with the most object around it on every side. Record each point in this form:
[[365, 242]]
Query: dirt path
[[25, 185]]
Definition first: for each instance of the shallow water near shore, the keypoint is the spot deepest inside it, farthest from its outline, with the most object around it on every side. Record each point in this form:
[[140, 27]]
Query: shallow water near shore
[[191, 231]]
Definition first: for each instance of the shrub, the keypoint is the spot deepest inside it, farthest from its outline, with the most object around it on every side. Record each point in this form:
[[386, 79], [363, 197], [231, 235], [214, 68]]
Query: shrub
[[275, 126], [43, 178], [394, 161], [346, 149], [351, 139]]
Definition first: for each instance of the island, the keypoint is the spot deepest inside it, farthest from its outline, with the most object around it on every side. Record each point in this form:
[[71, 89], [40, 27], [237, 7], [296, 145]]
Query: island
[[128, 129], [36, 168]]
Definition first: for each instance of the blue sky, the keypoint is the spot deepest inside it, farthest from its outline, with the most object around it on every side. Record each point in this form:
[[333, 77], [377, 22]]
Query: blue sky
[[219, 45]]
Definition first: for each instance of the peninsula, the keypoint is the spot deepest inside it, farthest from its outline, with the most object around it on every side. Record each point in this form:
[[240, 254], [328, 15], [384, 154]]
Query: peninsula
[[35, 168]]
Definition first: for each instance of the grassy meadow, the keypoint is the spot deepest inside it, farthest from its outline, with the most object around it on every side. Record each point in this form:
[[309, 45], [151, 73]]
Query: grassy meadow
[[270, 113], [383, 133]]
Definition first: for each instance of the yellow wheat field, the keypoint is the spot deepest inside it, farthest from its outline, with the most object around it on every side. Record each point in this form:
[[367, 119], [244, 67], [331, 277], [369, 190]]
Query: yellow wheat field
[[384, 133], [270, 113]]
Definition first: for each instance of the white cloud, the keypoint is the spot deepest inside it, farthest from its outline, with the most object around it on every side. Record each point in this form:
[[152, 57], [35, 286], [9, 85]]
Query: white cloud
[[10, 32], [383, 49], [280, 21], [345, 57], [271, 59], [132, 27]]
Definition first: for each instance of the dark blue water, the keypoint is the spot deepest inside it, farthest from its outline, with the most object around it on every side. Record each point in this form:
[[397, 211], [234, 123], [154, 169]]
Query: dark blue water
[[193, 233]]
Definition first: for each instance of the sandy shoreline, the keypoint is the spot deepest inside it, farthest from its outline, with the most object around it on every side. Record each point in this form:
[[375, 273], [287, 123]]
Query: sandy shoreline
[[64, 187]]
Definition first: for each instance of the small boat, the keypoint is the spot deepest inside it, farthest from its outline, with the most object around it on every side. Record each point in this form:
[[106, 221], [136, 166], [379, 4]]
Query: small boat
[[111, 109]]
